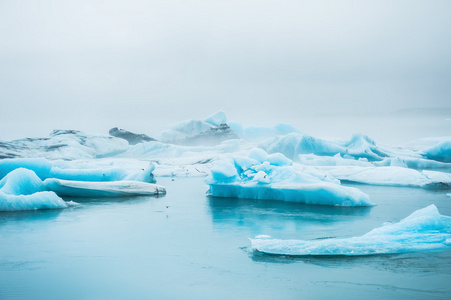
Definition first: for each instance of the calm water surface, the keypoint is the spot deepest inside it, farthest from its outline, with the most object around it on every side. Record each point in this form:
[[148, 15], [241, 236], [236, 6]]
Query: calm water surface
[[188, 246]]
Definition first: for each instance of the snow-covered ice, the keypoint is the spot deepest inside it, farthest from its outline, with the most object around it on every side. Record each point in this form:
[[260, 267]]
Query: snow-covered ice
[[425, 229], [22, 189], [275, 177]]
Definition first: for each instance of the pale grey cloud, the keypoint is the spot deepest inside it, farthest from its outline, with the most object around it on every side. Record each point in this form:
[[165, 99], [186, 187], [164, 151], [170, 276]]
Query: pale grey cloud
[[143, 65]]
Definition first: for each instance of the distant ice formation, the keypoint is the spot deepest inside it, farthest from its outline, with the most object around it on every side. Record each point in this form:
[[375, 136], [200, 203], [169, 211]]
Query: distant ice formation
[[292, 145], [259, 133], [275, 177], [22, 189], [130, 137], [211, 131], [64, 144], [425, 229]]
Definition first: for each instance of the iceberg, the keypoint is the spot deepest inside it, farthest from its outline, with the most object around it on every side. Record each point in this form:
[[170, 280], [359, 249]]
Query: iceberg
[[217, 118], [275, 177], [425, 229], [440, 152], [211, 131], [392, 175], [22, 189], [294, 144], [75, 170], [64, 144], [130, 137], [102, 188]]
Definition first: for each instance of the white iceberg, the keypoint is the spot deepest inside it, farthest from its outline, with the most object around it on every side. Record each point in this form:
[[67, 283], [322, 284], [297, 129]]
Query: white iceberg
[[393, 176], [102, 188], [275, 177], [425, 229], [211, 131], [22, 189]]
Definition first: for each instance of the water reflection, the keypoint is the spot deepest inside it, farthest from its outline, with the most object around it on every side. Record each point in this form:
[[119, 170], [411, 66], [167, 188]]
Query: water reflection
[[437, 262], [29, 215], [263, 215], [108, 200]]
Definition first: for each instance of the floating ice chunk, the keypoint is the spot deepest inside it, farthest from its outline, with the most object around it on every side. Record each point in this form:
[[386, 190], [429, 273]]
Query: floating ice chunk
[[394, 176], [22, 189], [425, 229], [217, 119], [102, 188], [257, 178]]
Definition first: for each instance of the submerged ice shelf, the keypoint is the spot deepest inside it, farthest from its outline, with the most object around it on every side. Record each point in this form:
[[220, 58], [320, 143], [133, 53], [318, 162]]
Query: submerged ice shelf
[[275, 177], [425, 229]]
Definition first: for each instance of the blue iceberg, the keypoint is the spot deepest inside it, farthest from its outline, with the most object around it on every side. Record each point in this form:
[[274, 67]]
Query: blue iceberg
[[275, 177], [440, 152], [56, 169], [294, 144], [22, 189], [425, 229]]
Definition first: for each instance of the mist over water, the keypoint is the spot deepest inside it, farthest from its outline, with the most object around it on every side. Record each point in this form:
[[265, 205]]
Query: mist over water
[[328, 68]]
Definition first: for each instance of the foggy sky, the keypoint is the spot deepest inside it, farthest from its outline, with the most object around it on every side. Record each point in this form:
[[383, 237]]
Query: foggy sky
[[143, 65]]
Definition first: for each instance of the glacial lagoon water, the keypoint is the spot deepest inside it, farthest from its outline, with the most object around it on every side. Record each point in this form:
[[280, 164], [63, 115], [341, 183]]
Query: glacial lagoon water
[[186, 245]]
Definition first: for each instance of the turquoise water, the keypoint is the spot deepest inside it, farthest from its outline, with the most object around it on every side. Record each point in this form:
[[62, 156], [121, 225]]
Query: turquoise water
[[188, 246]]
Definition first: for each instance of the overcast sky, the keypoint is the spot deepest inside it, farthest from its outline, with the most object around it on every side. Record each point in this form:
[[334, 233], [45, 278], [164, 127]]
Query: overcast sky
[[143, 65]]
